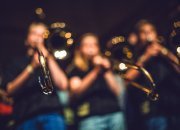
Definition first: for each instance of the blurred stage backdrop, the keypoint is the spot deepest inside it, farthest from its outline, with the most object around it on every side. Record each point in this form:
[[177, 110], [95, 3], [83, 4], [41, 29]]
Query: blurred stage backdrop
[[106, 18]]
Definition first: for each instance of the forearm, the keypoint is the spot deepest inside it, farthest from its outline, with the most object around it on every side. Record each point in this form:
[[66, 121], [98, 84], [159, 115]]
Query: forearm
[[132, 74], [58, 76], [19, 81], [174, 61], [110, 79], [87, 81]]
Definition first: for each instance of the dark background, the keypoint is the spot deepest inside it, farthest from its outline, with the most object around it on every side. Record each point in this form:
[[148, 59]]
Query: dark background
[[104, 17]]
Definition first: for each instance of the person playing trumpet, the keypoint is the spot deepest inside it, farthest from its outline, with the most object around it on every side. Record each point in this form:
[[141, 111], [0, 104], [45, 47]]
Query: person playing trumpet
[[32, 109]]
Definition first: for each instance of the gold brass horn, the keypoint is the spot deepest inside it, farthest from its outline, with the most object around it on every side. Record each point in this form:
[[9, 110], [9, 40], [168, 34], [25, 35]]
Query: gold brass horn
[[165, 52], [174, 38], [45, 82], [150, 91], [118, 45], [59, 40]]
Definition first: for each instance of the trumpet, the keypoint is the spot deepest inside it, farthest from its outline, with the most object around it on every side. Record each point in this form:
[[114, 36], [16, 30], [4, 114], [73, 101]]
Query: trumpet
[[46, 84]]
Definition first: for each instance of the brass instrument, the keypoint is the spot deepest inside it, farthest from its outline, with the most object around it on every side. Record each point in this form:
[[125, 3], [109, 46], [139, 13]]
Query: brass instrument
[[168, 54], [149, 91], [59, 40], [46, 84], [174, 38], [126, 62]]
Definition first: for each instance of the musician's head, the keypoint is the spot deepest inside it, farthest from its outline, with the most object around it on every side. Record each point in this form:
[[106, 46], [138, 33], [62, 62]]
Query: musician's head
[[87, 49], [146, 31], [35, 34], [89, 45]]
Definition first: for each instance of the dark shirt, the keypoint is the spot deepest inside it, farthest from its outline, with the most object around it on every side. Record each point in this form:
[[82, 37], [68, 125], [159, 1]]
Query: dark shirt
[[29, 100], [167, 85], [98, 99], [140, 107]]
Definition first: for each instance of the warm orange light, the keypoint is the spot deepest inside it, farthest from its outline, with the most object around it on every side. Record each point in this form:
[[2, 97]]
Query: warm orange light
[[62, 33], [46, 34], [39, 11], [107, 53], [70, 41], [68, 35]]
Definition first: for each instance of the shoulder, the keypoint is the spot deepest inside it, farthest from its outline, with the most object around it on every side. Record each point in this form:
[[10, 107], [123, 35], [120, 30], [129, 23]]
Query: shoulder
[[74, 71]]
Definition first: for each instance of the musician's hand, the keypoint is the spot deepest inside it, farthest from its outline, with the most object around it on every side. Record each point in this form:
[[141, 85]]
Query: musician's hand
[[44, 51], [41, 47], [106, 63], [35, 61], [153, 50], [97, 60], [101, 61]]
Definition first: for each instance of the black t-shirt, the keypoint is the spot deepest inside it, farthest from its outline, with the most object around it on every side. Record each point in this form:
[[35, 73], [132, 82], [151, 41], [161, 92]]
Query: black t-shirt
[[140, 107], [29, 100], [167, 85], [98, 99]]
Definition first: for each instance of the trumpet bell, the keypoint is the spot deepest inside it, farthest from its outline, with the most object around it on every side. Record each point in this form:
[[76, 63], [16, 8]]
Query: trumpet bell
[[121, 49], [59, 41]]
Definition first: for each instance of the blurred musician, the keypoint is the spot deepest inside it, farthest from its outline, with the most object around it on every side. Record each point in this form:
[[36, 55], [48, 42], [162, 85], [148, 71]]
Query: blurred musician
[[149, 55], [34, 110], [93, 88], [5, 107], [132, 38]]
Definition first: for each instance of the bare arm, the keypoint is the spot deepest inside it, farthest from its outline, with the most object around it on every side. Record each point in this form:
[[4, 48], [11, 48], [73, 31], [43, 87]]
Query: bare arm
[[15, 84], [132, 74], [173, 59], [78, 85], [19, 80], [110, 79], [58, 76], [151, 51]]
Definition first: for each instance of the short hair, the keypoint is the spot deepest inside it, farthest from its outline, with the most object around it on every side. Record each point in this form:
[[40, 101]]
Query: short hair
[[143, 22], [35, 24]]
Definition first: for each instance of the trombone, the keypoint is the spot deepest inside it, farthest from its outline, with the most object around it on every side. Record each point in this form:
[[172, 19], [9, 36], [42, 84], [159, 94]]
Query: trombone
[[122, 66], [165, 52], [150, 91]]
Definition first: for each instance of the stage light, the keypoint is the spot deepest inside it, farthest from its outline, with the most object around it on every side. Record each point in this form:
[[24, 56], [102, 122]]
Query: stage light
[[62, 33], [118, 39], [70, 41], [63, 25], [178, 50], [39, 11], [68, 35], [46, 34], [107, 53], [58, 25], [122, 66], [60, 54], [177, 24]]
